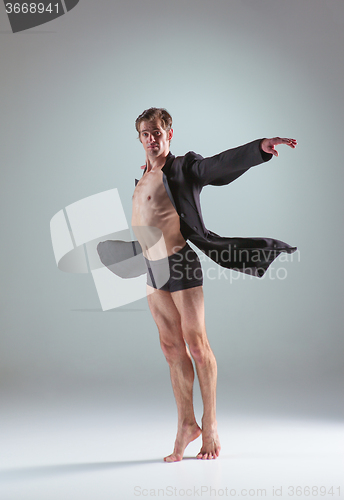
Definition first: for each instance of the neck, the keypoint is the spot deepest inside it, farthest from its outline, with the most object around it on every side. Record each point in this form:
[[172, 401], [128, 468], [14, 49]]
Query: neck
[[156, 162]]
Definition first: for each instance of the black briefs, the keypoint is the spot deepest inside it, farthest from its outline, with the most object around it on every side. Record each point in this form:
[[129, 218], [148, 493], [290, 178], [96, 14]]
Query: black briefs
[[179, 271]]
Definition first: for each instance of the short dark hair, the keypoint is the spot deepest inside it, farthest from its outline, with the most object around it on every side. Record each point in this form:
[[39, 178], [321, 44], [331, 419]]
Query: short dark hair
[[151, 114]]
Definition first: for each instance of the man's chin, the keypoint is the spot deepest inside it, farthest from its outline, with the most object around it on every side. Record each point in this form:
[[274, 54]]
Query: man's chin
[[153, 152]]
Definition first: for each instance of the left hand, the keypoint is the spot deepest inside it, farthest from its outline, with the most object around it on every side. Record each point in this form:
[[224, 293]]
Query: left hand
[[268, 145]]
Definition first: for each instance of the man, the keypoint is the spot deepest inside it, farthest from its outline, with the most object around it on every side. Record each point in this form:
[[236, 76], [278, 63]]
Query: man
[[162, 228], [167, 213]]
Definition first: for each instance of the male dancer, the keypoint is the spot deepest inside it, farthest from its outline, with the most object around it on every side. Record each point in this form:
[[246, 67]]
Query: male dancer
[[168, 184]]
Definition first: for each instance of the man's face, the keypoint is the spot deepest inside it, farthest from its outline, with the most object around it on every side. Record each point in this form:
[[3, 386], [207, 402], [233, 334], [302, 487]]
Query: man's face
[[155, 140]]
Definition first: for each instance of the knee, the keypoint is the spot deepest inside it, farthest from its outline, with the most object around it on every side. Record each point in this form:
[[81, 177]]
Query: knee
[[199, 348], [199, 353], [173, 351]]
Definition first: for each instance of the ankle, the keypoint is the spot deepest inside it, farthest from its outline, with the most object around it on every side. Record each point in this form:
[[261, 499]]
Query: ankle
[[209, 423], [186, 423]]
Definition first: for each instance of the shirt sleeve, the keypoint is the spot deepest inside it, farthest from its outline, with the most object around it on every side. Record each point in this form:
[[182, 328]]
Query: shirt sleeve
[[227, 166]]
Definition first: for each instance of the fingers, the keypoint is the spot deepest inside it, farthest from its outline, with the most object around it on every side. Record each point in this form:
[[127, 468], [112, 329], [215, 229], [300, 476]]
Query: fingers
[[268, 145], [289, 142], [280, 140]]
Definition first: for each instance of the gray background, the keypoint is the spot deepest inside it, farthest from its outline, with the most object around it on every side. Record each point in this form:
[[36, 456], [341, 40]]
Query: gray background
[[229, 72]]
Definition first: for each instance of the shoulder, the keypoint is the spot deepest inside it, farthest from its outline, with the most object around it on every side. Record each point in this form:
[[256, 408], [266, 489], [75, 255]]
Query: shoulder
[[192, 156], [187, 159], [183, 166]]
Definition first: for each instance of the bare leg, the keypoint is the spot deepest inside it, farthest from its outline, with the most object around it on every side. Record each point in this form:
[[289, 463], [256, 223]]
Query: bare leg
[[190, 304], [167, 318]]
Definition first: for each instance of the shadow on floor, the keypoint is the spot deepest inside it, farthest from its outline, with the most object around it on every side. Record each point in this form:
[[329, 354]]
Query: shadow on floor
[[24, 473]]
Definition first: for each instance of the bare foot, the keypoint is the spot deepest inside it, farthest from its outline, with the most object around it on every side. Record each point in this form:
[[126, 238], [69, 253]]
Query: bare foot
[[185, 435], [210, 443]]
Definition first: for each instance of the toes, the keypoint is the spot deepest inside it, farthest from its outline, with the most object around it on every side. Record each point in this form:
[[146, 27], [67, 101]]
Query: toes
[[173, 458], [208, 456]]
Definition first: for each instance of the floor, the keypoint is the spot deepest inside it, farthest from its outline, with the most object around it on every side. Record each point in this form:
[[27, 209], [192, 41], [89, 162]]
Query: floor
[[65, 451]]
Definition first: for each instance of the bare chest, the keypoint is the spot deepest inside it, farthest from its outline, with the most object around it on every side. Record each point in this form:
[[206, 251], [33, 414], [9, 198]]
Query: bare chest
[[150, 191]]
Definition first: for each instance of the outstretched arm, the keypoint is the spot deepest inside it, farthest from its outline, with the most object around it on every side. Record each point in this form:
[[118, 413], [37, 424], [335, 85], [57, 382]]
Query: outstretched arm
[[227, 166], [268, 145]]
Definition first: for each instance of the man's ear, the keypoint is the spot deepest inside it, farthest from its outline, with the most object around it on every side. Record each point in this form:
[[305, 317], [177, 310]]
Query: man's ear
[[170, 134]]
